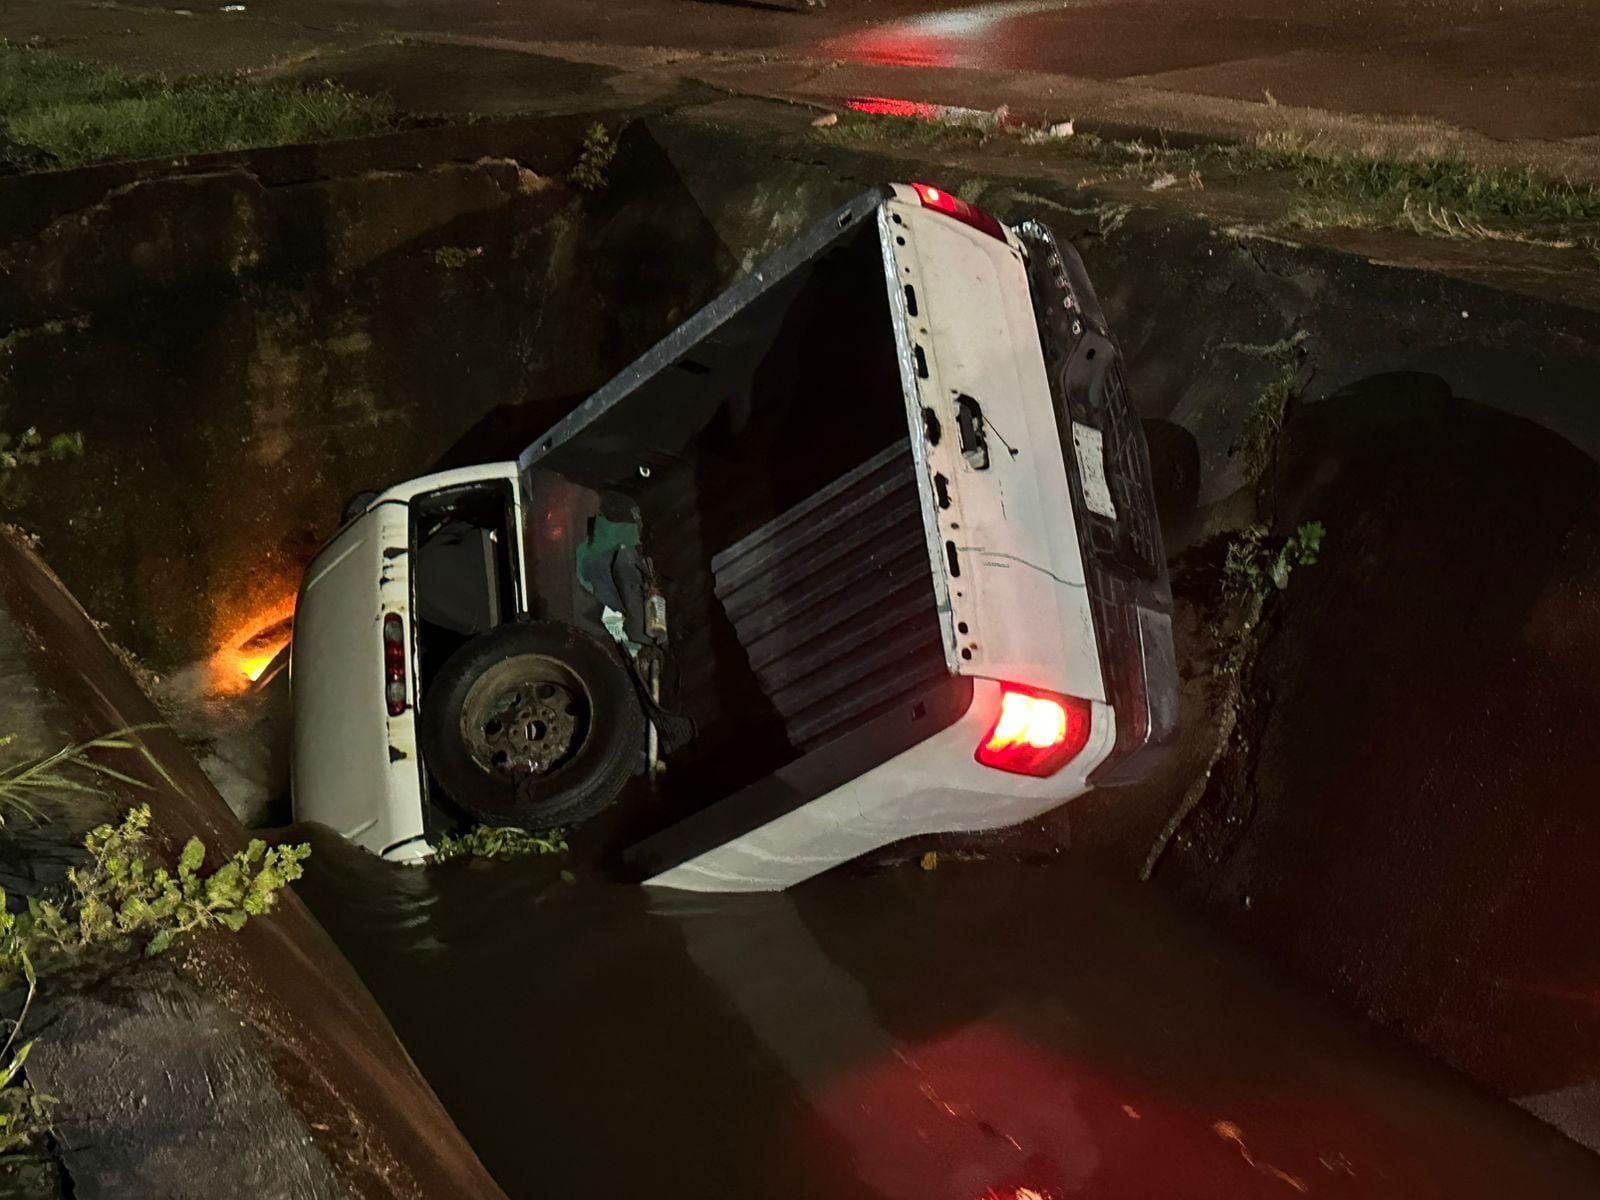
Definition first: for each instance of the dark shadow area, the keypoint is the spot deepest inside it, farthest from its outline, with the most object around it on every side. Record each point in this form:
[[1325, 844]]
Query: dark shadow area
[[1413, 823], [1175, 474]]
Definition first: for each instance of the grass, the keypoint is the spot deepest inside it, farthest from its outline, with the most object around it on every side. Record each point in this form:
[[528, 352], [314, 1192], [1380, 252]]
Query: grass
[[75, 770], [63, 113], [1447, 197], [875, 129], [1437, 196], [1259, 438]]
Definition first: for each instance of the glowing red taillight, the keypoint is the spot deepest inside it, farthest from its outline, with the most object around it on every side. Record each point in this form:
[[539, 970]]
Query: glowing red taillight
[[1036, 733], [954, 206], [394, 664]]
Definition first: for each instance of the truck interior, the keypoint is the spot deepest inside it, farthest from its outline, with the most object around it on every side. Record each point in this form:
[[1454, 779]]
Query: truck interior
[[464, 576], [765, 450]]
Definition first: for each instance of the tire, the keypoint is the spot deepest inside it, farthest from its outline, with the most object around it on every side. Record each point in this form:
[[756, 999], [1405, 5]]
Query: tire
[[535, 725], [355, 506], [1174, 469]]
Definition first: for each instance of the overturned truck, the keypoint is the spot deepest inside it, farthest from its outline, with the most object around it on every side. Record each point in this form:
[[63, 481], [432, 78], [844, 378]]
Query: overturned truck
[[865, 549]]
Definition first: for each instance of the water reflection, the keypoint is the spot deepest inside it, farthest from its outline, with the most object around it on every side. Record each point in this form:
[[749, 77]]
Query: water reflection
[[983, 1030], [982, 35]]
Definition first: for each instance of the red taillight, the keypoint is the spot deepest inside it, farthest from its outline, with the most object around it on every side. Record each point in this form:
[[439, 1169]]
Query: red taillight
[[394, 664], [1036, 733], [954, 206]]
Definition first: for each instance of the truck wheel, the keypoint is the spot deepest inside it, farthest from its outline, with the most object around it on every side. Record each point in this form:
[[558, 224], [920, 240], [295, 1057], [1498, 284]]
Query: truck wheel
[[535, 725]]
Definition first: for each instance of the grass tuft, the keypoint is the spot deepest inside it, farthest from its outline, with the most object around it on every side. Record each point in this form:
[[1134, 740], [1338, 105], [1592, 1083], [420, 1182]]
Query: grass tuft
[[877, 129], [71, 113], [1436, 196]]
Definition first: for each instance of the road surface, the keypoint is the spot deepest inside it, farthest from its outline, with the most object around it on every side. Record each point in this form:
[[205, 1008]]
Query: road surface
[[1509, 69]]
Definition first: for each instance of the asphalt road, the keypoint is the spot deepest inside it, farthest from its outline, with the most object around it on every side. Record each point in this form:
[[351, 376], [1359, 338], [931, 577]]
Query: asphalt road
[[1509, 69], [1518, 69]]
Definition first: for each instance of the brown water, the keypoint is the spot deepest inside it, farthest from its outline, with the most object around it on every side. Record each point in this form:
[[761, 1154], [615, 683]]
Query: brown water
[[979, 1030]]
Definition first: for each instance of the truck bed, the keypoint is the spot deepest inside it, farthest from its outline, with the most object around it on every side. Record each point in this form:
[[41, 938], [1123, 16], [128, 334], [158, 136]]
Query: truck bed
[[765, 445]]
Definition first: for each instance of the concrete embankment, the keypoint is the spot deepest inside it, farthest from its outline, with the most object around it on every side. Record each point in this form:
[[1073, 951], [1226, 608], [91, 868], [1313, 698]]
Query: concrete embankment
[[251, 1064], [244, 342]]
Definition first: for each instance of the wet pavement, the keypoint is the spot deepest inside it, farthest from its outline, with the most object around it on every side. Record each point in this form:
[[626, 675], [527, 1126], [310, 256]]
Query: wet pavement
[[1507, 69], [982, 1030]]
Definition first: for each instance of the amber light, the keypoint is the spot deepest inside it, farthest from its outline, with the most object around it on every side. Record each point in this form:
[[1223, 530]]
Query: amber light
[[1036, 733], [245, 656]]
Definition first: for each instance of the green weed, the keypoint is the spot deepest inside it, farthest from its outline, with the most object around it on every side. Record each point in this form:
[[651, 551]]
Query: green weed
[[592, 171], [72, 770], [118, 899], [1258, 564], [1438, 196], [490, 841]]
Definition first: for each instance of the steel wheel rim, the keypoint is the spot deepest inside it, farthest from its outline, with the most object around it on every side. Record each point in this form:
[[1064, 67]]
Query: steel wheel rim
[[526, 718]]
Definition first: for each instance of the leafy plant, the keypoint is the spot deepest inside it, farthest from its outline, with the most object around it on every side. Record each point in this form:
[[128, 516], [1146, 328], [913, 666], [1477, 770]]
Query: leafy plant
[[30, 448], [594, 160], [121, 896], [1259, 564], [497, 842], [455, 257], [117, 898]]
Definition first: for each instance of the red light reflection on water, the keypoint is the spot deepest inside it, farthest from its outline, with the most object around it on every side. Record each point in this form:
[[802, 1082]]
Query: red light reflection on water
[[886, 106], [982, 1113]]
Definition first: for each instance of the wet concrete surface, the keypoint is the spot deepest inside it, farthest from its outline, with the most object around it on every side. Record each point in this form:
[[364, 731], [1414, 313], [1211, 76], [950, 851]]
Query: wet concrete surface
[[249, 1064], [957, 1034]]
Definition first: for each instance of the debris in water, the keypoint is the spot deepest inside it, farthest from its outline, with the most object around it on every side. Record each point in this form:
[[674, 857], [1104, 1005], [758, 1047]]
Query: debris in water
[[1229, 1132]]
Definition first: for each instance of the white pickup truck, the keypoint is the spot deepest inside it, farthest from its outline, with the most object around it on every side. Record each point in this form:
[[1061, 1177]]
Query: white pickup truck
[[865, 549]]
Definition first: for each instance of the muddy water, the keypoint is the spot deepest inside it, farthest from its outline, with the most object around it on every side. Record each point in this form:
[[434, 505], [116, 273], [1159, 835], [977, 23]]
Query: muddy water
[[901, 1034]]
